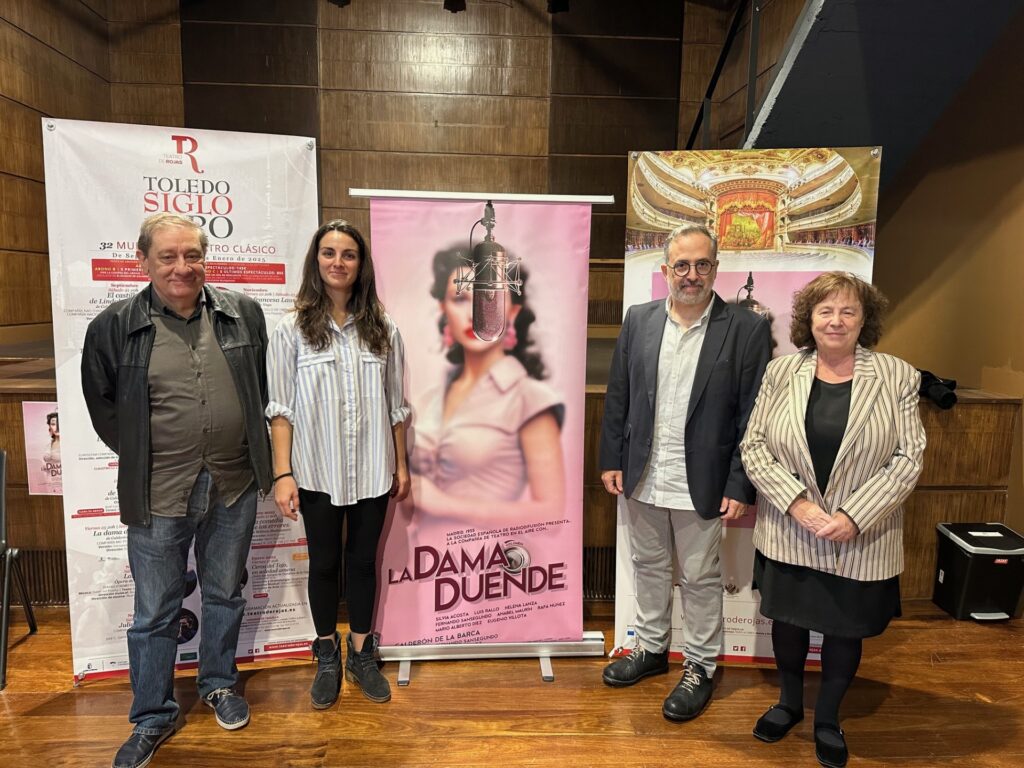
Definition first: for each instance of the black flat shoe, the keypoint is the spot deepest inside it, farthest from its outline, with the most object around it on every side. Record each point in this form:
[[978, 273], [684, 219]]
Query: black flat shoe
[[769, 731], [830, 754]]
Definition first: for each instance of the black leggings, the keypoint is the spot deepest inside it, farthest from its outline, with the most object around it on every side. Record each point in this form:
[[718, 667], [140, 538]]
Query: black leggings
[[323, 540], [840, 657]]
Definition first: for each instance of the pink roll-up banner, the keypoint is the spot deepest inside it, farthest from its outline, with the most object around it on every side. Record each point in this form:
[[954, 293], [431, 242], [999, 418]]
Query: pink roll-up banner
[[488, 548]]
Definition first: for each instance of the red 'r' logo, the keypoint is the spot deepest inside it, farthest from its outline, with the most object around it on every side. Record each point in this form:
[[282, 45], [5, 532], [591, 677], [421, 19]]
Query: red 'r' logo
[[180, 142]]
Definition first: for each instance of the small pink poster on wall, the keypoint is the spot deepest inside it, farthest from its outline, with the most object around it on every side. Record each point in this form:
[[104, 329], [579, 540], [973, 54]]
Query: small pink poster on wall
[[42, 448]]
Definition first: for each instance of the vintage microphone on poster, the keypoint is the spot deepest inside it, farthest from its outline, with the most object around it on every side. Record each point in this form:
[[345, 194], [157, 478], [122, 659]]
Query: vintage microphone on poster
[[490, 273]]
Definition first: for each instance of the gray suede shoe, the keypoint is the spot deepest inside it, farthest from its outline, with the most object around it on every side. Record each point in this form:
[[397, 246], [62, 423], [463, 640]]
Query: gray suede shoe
[[361, 668], [327, 683]]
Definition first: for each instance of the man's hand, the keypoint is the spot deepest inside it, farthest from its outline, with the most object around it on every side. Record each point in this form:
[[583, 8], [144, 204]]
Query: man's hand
[[612, 480], [731, 509]]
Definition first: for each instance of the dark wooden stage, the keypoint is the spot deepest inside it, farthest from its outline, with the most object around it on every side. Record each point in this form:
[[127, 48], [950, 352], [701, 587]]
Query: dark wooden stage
[[932, 692]]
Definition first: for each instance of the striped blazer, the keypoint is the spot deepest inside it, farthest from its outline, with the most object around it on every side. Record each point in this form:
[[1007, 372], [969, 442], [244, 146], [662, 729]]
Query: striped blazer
[[877, 466]]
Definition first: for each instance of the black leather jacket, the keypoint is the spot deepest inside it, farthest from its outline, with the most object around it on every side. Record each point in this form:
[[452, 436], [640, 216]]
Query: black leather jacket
[[115, 382]]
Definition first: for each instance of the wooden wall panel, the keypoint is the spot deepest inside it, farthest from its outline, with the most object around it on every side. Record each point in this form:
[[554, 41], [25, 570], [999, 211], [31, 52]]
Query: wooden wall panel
[[99, 7], [46, 571], [593, 412], [279, 54], [598, 175], [598, 517], [68, 26], [599, 356], [705, 24], [142, 11], [420, 63], [598, 510], [22, 214], [357, 217], [704, 31], [466, 173], [25, 288], [22, 139], [518, 19], [614, 88], [258, 77], [258, 11], [12, 437], [969, 445], [605, 302], [608, 230], [611, 126], [34, 522], [734, 73], [289, 110], [732, 113], [615, 67], [778, 17], [145, 53], [642, 18], [409, 122], [699, 60], [42, 78], [147, 104], [145, 65]]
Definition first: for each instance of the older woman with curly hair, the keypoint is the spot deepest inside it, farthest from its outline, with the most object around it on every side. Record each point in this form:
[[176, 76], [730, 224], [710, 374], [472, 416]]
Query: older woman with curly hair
[[834, 446]]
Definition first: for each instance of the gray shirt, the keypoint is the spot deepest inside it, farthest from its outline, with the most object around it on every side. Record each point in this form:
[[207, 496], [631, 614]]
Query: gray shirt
[[195, 414]]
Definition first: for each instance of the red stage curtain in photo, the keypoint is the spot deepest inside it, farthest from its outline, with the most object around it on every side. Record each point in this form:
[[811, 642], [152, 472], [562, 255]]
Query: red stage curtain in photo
[[746, 219]]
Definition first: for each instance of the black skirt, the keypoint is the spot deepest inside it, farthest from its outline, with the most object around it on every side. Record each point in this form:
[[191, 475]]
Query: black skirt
[[824, 602]]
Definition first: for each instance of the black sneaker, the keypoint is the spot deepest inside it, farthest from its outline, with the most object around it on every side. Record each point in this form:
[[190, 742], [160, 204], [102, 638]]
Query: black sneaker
[[634, 667], [361, 668], [327, 682], [232, 710], [690, 696], [139, 749]]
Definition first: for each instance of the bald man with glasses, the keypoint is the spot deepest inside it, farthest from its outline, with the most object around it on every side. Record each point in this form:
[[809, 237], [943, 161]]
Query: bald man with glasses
[[683, 380]]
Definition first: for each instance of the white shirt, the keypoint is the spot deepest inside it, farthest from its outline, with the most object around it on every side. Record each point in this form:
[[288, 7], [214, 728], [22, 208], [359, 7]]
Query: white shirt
[[663, 482], [342, 402]]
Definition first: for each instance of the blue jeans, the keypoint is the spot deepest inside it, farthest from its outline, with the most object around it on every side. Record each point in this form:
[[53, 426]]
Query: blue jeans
[[158, 557]]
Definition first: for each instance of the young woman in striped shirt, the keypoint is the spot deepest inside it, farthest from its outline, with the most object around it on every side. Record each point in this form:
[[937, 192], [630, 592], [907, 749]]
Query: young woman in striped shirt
[[337, 419]]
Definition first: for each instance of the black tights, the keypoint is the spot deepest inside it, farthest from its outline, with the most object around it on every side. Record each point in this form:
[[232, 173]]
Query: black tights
[[840, 657], [323, 540]]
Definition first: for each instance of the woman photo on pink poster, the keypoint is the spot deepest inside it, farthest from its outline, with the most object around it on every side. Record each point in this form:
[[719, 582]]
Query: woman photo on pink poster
[[487, 441]]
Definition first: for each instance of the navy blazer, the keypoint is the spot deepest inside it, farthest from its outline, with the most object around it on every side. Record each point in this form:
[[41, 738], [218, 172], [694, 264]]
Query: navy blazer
[[736, 349]]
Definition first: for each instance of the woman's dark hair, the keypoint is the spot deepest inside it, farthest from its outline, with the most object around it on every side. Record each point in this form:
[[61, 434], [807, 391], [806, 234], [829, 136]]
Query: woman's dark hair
[[313, 304], [446, 262], [826, 284]]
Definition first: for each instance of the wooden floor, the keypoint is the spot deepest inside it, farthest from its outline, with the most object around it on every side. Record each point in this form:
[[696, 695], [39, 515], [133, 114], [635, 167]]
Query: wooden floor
[[931, 692]]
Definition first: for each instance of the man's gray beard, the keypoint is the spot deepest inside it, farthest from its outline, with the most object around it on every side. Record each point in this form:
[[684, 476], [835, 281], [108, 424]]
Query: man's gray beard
[[683, 298]]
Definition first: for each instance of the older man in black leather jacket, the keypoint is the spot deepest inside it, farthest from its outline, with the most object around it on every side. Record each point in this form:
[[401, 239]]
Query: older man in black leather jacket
[[175, 382]]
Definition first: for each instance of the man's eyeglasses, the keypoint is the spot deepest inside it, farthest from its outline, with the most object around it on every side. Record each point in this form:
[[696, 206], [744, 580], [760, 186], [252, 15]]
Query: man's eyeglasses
[[703, 267]]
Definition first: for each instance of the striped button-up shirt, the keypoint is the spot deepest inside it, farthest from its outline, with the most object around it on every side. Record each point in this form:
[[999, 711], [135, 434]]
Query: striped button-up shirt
[[664, 482], [342, 403]]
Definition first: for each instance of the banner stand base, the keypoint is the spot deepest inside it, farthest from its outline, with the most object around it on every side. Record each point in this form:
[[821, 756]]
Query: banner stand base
[[592, 644]]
